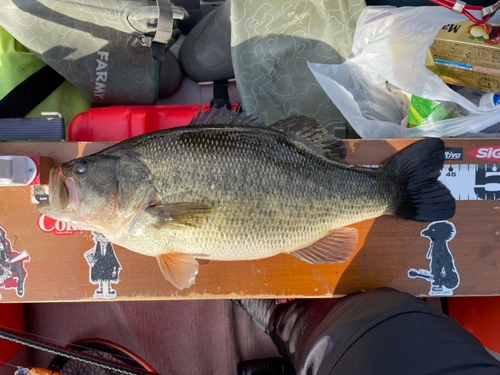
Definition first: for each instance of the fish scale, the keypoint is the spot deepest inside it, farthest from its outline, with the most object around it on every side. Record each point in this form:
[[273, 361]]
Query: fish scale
[[268, 195]]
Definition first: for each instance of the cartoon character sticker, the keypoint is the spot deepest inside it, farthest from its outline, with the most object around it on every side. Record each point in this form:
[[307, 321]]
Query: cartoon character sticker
[[443, 274], [104, 266], [39, 193], [12, 271]]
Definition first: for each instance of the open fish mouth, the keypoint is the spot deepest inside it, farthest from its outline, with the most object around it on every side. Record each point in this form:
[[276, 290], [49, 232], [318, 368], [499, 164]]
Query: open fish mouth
[[63, 195]]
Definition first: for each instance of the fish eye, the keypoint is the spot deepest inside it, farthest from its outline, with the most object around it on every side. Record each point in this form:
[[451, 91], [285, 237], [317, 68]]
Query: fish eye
[[81, 167]]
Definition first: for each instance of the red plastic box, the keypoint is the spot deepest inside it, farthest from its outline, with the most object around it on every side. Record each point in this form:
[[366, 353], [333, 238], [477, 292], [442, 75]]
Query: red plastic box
[[114, 124]]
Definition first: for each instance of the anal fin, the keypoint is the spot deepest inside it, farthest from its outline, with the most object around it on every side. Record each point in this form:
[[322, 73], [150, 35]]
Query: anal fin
[[337, 247], [178, 268]]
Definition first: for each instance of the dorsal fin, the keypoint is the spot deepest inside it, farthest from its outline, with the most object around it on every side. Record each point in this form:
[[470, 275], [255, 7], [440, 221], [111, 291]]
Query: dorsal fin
[[306, 130], [224, 116], [309, 132]]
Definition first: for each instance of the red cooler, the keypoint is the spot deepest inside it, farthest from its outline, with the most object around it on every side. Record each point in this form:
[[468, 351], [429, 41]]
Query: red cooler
[[114, 124]]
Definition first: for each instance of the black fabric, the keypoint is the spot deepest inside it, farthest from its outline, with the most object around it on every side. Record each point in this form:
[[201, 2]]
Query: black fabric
[[30, 129], [158, 51], [260, 310], [292, 324], [205, 53], [28, 94], [221, 95], [379, 332]]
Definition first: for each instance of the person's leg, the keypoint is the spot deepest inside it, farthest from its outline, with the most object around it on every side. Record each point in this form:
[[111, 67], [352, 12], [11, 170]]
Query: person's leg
[[378, 332]]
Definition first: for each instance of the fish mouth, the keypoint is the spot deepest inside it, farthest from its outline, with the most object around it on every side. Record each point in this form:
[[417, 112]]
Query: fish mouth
[[63, 194]]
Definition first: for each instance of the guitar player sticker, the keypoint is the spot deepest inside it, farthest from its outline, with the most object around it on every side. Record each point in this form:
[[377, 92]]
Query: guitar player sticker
[[104, 267], [442, 274]]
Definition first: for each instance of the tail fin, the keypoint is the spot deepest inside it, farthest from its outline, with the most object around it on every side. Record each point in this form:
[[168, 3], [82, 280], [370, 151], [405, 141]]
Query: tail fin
[[416, 169]]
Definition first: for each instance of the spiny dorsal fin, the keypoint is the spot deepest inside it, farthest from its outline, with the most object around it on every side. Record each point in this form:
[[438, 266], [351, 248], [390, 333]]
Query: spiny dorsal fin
[[306, 130], [223, 116], [309, 132]]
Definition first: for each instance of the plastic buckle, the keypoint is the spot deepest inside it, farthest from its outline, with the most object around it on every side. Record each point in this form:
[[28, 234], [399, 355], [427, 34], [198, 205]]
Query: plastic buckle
[[159, 51]]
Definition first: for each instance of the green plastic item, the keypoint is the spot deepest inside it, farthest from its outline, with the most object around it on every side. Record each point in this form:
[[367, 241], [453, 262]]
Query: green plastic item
[[423, 111], [17, 64]]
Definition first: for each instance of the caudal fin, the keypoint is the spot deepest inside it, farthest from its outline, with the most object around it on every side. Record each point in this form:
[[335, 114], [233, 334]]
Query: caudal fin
[[416, 169]]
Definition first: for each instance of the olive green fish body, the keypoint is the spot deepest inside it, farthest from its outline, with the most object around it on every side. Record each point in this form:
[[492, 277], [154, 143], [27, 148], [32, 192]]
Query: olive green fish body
[[268, 195]]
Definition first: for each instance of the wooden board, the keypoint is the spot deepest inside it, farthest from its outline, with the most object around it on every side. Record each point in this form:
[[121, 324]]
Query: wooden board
[[58, 271]]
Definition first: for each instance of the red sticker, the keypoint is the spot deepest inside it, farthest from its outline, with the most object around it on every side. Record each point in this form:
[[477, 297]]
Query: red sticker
[[59, 228], [491, 153]]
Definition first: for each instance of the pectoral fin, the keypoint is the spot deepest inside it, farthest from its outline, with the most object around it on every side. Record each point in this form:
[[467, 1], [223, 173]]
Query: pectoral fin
[[336, 247], [178, 268], [182, 215]]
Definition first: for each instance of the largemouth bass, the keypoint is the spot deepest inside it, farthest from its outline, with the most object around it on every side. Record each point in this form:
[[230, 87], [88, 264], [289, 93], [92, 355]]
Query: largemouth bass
[[227, 188]]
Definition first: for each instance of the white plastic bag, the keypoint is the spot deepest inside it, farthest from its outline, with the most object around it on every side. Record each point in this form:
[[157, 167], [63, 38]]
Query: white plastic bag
[[390, 44]]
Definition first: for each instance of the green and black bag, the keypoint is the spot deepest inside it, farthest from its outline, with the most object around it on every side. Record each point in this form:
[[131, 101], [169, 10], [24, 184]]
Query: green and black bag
[[111, 50], [30, 88]]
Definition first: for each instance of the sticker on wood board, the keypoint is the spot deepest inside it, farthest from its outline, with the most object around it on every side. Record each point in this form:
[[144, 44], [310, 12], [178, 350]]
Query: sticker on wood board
[[56, 227], [104, 266], [442, 274], [39, 194], [12, 271]]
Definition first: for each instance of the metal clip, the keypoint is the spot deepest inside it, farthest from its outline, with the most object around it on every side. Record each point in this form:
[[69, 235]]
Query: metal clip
[[459, 7], [492, 9], [51, 114], [146, 41]]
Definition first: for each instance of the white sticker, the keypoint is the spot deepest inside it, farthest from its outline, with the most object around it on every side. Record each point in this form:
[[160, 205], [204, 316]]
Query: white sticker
[[39, 193], [442, 274], [104, 267]]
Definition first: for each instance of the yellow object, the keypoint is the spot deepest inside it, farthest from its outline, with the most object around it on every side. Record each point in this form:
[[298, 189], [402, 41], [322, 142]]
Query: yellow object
[[466, 54]]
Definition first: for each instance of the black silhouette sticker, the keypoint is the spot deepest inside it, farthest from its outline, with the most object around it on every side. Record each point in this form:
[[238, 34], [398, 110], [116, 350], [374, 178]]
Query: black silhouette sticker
[[104, 266], [443, 274], [12, 271]]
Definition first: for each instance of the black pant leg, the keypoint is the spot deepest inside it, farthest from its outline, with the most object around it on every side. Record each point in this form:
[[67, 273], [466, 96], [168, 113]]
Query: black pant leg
[[378, 332]]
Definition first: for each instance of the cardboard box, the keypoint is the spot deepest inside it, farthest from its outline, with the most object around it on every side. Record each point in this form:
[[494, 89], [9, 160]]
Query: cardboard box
[[55, 259], [466, 54]]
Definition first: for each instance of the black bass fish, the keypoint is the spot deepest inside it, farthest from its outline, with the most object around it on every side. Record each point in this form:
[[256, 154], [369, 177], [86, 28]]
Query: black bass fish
[[228, 188]]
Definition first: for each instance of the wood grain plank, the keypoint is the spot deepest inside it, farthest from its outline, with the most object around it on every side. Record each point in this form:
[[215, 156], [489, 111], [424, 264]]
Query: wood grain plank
[[388, 248]]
